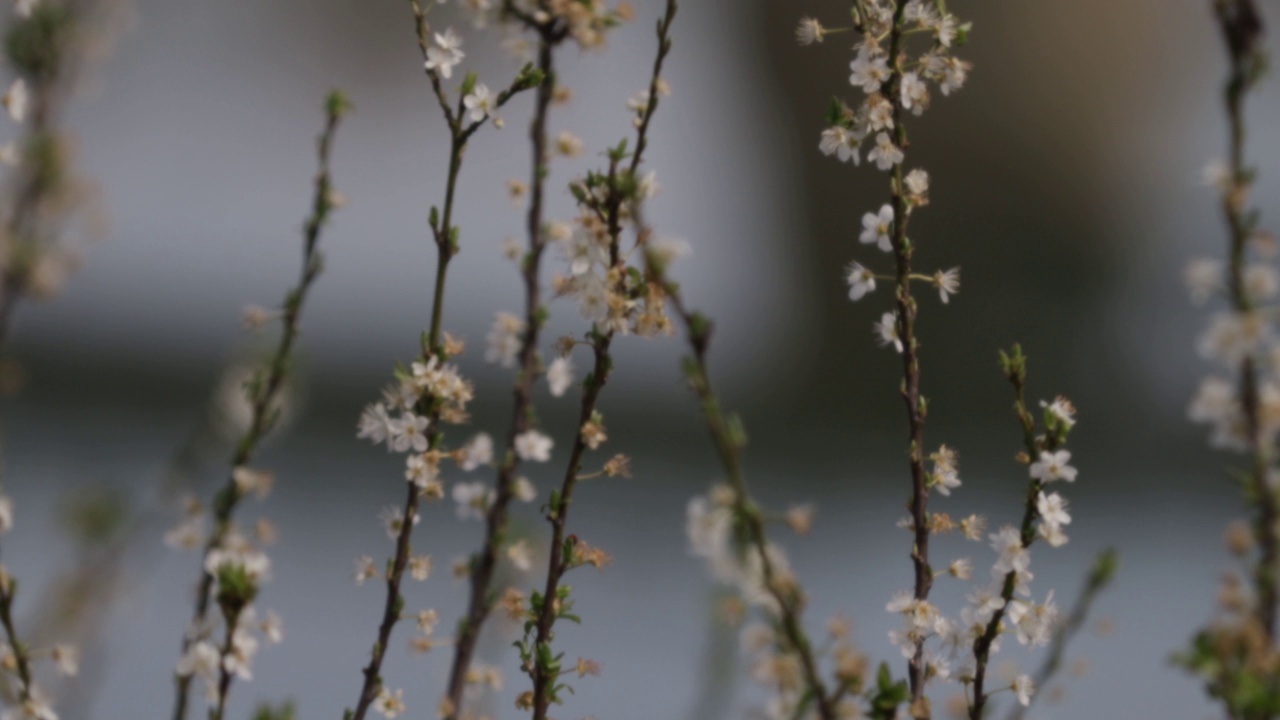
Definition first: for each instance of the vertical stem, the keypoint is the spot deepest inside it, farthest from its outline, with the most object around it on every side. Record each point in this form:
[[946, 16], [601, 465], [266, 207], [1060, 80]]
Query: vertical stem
[[1242, 30], [482, 566], [263, 412], [907, 310]]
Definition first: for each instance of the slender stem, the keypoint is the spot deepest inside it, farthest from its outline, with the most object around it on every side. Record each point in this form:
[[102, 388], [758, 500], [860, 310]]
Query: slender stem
[[483, 565], [264, 395], [907, 311], [22, 660], [544, 678], [1242, 30], [1027, 533], [730, 446], [1099, 578]]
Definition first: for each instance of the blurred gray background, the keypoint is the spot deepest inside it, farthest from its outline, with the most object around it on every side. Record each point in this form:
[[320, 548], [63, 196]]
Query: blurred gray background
[[1066, 183]]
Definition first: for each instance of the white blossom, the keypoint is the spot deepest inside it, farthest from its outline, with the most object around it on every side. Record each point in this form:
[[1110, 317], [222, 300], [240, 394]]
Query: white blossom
[[1053, 466], [560, 376], [861, 281], [878, 228], [445, 53], [887, 330], [533, 446], [885, 154]]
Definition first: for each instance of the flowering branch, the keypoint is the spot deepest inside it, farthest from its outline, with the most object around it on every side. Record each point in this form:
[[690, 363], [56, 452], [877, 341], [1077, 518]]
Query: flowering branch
[[1242, 29], [1049, 510], [436, 349], [730, 441], [44, 44], [1099, 577], [263, 395], [21, 658], [544, 667], [1237, 656], [551, 33]]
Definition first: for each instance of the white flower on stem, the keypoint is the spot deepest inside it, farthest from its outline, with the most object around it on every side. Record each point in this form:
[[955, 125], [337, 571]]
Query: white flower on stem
[[870, 70], [16, 100], [878, 228], [533, 446], [420, 567], [473, 500], [388, 704], [1013, 556], [409, 431], [393, 520], [481, 103], [445, 53], [809, 31], [375, 424], [948, 283], [915, 94], [478, 451], [1052, 509], [955, 73], [365, 569], [1024, 688], [66, 659], [504, 340], [708, 527], [1204, 277], [523, 490], [946, 30], [1061, 409], [560, 376], [37, 706], [272, 627], [838, 141], [1053, 466], [6, 514], [1261, 282], [861, 281], [1231, 337], [420, 471], [945, 475], [879, 113], [887, 329], [962, 569], [667, 250], [239, 659], [917, 182], [568, 144], [201, 660], [885, 154], [521, 555]]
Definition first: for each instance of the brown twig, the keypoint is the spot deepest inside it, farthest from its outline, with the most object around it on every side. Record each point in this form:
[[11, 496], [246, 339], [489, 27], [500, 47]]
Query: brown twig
[[481, 600], [265, 391], [445, 236], [545, 675], [1241, 26]]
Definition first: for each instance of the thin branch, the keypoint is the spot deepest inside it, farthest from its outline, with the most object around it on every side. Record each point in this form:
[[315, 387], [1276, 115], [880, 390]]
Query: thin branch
[[483, 565], [730, 442], [1100, 576], [545, 675], [264, 392]]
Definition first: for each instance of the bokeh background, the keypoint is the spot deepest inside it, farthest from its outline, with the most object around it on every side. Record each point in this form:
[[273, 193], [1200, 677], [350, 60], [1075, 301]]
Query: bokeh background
[[1066, 183]]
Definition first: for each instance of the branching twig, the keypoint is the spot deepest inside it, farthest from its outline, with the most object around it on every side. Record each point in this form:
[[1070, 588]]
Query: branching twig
[[546, 674], [550, 35], [265, 390], [445, 236], [1100, 576]]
